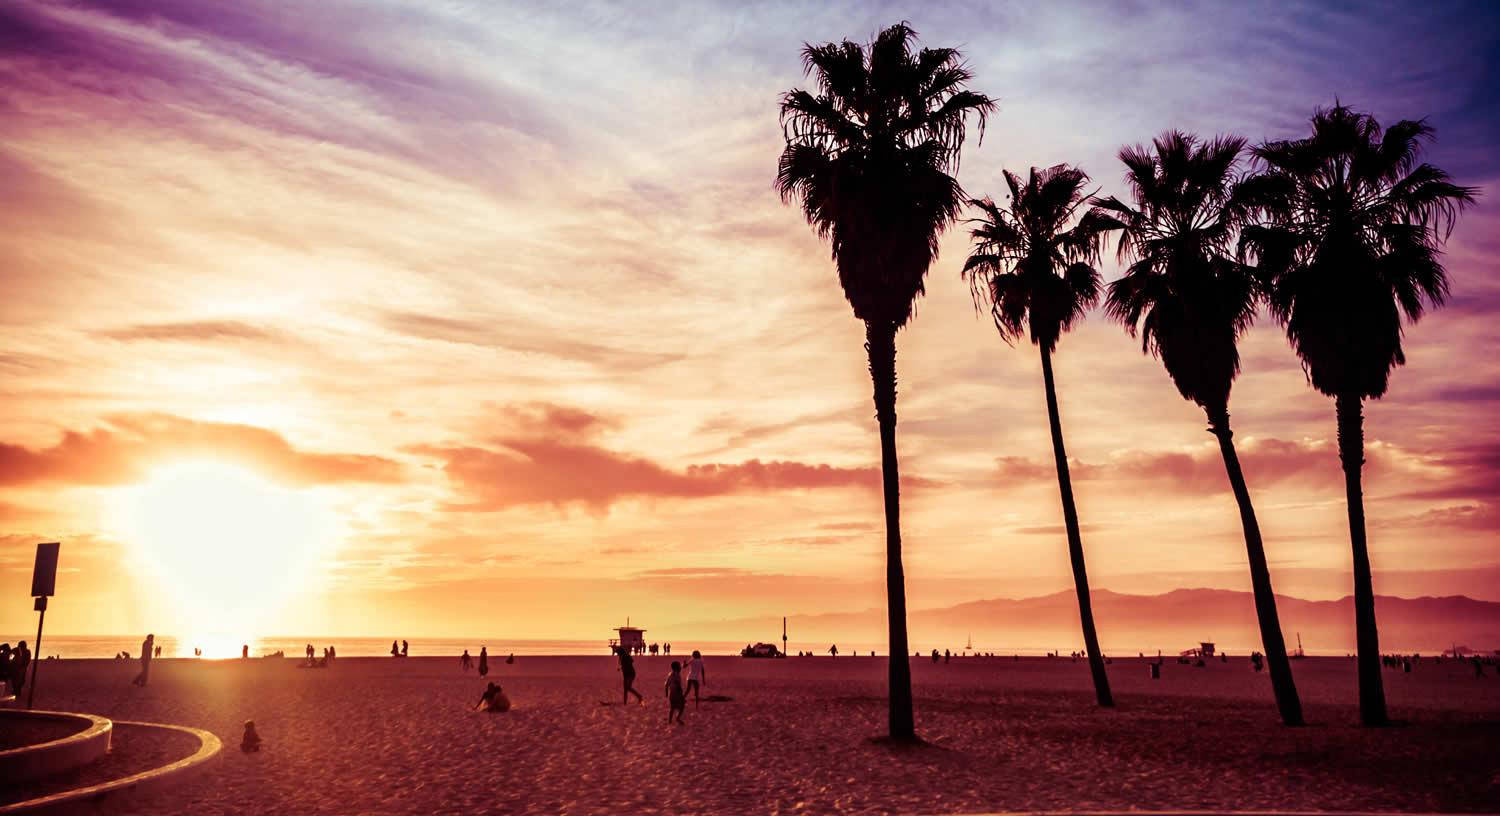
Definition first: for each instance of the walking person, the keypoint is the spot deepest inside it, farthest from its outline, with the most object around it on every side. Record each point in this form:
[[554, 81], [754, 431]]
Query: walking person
[[465, 662], [484, 662], [147, 646], [697, 676], [676, 698], [627, 675]]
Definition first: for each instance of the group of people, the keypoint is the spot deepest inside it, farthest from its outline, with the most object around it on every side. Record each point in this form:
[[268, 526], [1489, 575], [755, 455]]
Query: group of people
[[401, 652], [465, 662], [314, 662], [13, 666], [675, 688]]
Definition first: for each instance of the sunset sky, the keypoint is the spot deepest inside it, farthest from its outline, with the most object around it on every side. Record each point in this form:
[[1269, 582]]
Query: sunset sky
[[453, 318]]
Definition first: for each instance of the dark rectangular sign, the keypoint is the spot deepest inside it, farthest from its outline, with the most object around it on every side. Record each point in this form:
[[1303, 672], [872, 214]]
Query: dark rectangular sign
[[44, 574]]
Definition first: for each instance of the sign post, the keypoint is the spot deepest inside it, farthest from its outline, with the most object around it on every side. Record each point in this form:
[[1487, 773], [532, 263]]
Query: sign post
[[43, 585]]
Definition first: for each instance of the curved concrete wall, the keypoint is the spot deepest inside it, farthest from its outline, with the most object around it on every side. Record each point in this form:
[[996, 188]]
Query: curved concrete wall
[[98, 795], [46, 758]]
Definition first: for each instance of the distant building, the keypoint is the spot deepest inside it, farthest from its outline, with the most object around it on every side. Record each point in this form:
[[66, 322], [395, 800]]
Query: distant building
[[1205, 649], [630, 638]]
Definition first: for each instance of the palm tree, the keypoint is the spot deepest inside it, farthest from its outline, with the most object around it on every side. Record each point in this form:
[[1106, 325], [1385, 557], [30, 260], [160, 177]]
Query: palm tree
[[1189, 299], [870, 158], [1036, 275], [1352, 240]]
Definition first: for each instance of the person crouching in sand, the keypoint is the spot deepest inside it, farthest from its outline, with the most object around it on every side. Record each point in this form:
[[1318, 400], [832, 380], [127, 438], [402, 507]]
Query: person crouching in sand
[[250, 743], [676, 697], [493, 699]]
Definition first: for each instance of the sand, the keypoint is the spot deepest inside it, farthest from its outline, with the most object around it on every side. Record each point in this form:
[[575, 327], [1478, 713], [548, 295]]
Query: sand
[[379, 735]]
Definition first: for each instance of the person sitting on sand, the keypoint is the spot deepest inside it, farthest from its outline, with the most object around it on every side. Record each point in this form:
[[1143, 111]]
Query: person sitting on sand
[[697, 676], [493, 699], [250, 743], [464, 661], [676, 698], [627, 675], [510, 659]]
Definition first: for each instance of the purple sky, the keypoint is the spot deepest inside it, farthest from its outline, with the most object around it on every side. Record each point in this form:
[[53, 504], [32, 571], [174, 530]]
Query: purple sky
[[505, 300]]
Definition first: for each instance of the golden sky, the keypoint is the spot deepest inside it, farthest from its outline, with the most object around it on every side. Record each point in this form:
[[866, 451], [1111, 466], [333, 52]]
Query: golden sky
[[454, 319]]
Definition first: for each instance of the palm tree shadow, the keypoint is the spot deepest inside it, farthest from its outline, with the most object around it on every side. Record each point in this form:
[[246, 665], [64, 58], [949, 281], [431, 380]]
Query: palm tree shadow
[[910, 745]]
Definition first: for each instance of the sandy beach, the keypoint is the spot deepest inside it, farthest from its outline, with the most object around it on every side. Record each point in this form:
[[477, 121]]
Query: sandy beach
[[381, 735]]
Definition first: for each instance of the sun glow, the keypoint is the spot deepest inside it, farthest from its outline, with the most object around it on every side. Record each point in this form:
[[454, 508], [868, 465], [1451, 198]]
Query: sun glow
[[226, 547]]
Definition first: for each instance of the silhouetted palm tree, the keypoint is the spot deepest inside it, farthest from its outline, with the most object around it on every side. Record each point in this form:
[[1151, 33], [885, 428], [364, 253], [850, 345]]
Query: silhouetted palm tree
[[1036, 274], [1189, 299], [1351, 241], [870, 159]]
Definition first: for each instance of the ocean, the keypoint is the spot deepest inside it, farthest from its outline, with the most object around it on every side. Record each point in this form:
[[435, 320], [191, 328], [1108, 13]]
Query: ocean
[[81, 646]]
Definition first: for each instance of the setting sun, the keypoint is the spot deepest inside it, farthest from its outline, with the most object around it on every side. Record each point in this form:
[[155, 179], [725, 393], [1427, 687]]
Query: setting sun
[[224, 545]]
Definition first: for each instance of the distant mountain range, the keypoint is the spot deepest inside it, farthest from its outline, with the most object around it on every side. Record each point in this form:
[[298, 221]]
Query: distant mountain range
[[1171, 622]]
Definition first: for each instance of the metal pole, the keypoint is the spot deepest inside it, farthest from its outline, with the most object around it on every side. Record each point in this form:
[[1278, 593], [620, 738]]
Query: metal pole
[[36, 656]]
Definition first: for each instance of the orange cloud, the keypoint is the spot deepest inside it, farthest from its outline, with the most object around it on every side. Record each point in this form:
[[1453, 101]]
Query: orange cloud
[[548, 459], [129, 445], [1265, 461], [190, 331]]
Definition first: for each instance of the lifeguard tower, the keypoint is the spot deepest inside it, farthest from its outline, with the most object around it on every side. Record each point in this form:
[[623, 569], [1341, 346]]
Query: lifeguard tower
[[630, 638]]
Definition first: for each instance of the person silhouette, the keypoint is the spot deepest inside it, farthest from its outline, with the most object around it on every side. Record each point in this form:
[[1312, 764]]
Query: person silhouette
[[510, 659], [484, 662], [395, 650], [464, 661], [697, 676], [250, 742], [245, 651], [676, 697], [15, 669], [493, 699], [834, 650], [403, 648], [147, 646], [627, 675]]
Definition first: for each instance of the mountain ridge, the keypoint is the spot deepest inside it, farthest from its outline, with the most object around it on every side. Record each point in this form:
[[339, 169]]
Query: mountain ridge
[[1170, 621]]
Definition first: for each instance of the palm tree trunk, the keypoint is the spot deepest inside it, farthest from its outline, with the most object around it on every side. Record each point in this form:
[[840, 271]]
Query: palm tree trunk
[[880, 344], [1260, 575], [1075, 541], [1366, 636]]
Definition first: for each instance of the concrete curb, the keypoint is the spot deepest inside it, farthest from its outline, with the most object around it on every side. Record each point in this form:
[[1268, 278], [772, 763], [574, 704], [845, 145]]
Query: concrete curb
[[46, 758], [98, 795]]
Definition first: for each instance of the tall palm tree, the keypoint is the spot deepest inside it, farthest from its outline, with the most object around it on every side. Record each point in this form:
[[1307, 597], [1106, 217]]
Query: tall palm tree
[[1189, 299], [1352, 240], [870, 159], [1036, 274]]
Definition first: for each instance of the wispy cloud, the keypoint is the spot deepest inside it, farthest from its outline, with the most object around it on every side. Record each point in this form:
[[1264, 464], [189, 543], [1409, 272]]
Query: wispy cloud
[[124, 450]]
